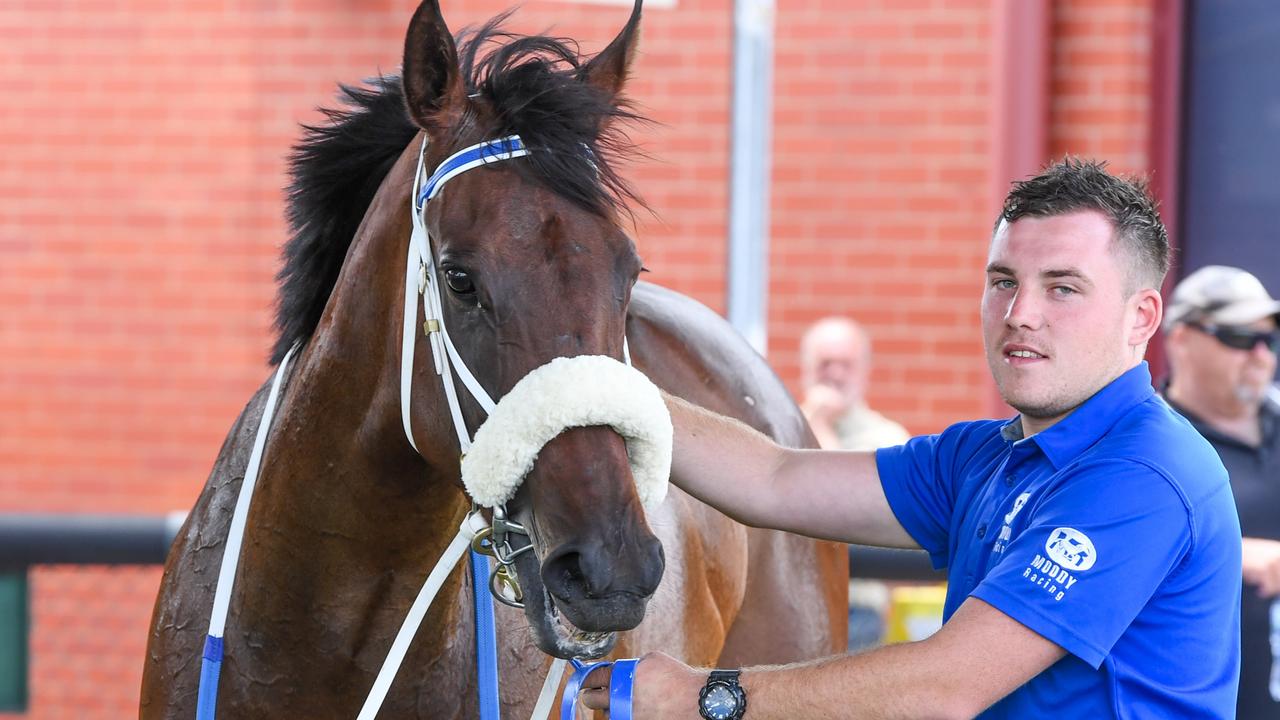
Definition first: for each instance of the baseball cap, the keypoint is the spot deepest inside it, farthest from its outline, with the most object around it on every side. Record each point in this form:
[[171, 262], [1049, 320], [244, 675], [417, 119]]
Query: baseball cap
[[1221, 295]]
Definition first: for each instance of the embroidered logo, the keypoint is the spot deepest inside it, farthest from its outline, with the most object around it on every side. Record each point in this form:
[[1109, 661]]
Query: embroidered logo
[[1006, 532], [1071, 549], [1017, 505]]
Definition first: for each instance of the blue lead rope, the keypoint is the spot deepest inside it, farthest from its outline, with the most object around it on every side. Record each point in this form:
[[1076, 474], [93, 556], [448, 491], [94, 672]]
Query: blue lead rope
[[621, 679], [486, 638], [210, 668]]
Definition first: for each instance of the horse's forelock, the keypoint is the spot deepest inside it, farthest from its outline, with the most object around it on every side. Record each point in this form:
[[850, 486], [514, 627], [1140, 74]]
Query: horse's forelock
[[531, 87]]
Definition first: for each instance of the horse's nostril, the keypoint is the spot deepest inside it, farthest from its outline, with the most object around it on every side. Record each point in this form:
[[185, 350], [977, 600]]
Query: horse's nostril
[[588, 572], [566, 575], [658, 562], [568, 568]]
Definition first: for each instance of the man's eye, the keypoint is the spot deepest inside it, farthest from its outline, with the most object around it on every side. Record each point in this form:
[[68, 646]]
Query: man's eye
[[1064, 290], [1003, 284]]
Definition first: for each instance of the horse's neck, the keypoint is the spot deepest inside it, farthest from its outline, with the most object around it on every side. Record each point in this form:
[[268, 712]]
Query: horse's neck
[[348, 520], [344, 525], [338, 447]]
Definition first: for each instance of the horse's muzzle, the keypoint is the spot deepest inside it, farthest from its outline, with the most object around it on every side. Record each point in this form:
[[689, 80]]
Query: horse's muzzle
[[600, 592], [571, 617]]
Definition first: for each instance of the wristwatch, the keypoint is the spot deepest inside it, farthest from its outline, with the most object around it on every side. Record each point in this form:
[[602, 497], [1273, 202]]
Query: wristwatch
[[722, 698]]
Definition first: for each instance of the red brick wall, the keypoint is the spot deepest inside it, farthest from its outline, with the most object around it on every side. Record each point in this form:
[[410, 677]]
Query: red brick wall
[[1101, 83], [140, 215], [879, 212]]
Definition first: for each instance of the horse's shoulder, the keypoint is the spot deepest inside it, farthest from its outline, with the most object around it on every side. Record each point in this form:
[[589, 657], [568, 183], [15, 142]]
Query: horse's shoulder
[[692, 352], [181, 614], [196, 553]]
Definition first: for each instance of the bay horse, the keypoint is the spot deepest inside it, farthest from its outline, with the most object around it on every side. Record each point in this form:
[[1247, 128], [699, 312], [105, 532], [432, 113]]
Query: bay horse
[[348, 516]]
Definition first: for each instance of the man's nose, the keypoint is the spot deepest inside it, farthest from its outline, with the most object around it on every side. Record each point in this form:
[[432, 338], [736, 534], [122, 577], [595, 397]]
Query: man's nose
[[1023, 311], [835, 370], [1263, 349]]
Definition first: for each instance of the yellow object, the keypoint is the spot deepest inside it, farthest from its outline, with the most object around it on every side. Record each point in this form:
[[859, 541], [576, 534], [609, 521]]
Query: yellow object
[[915, 612]]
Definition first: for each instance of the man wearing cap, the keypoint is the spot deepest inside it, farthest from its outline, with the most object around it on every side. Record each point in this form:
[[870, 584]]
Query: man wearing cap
[[1221, 338]]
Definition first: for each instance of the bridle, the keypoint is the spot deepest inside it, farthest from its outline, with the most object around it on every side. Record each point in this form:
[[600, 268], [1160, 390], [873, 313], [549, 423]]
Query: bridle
[[480, 536], [420, 274]]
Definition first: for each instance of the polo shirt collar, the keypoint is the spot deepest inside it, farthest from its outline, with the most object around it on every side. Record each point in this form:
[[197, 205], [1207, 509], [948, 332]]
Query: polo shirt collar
[[1085, 425]]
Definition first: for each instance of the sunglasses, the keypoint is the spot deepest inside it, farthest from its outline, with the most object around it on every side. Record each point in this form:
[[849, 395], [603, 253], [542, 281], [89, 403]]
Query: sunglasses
[[1240, 338]]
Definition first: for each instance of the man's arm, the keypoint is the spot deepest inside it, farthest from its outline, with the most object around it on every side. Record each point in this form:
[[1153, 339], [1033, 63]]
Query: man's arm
[[977, 658], [827, 494]]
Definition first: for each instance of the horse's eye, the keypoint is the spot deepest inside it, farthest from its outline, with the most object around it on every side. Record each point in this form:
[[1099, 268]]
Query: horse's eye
[[459, 281]]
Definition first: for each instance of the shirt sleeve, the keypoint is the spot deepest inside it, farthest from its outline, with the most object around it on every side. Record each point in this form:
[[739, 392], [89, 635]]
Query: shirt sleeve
[[1092, 554], [918, 482]]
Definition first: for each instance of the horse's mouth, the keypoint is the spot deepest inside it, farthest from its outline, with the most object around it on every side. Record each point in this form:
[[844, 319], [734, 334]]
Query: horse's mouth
[[554, 633], [569, 641]]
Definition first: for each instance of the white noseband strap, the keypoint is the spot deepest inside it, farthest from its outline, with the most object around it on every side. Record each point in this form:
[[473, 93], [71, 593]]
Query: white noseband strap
[[583, 391]]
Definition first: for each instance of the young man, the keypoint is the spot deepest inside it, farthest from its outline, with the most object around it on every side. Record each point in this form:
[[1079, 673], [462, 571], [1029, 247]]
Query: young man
[[1091, 542], [1221, 337]]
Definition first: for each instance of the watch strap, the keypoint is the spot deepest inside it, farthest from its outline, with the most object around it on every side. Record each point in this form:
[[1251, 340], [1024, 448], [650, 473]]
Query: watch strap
[[727, 676]]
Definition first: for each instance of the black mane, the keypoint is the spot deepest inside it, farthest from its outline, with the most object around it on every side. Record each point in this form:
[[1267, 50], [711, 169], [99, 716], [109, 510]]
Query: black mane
[[531, 86], [335, 170], [525, 85]]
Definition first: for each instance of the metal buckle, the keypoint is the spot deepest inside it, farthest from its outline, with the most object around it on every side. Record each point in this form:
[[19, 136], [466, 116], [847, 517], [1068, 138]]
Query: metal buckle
[[483, 542], [505, 587], [504, 584]]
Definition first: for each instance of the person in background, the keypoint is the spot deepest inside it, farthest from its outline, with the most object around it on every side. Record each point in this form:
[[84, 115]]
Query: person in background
[[835, 364], [1221, 341]]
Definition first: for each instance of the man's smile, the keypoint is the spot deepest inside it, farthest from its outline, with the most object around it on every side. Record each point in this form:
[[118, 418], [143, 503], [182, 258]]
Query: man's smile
[[1017, 354]]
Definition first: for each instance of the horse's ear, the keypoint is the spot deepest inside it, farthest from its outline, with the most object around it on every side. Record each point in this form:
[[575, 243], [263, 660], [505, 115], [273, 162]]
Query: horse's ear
[[433, 86], [608, 70]]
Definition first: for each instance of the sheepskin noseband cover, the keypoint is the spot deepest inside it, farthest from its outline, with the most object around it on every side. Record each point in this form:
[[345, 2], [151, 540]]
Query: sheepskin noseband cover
[[581, 391]]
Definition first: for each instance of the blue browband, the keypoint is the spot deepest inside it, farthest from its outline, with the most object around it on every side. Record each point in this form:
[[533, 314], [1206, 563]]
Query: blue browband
[[489, 151]]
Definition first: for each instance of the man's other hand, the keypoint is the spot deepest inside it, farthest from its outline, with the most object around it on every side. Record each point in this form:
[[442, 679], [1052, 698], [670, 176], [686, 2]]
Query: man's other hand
[[664, 688], [1261, 561]]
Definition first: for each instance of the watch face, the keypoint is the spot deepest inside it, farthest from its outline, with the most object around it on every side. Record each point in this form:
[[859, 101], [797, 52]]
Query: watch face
[[719, 702]]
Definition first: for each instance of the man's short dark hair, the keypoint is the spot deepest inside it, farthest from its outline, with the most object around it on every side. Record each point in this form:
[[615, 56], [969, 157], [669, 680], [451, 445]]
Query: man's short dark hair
[[1072, 185]]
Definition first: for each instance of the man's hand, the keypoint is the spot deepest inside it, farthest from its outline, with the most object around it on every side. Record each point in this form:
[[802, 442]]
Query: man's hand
[[1261, 561], [824, 404], [664, 688], [823, 407]]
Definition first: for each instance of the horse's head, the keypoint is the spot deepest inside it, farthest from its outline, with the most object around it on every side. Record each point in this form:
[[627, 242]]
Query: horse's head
[[533, 266]]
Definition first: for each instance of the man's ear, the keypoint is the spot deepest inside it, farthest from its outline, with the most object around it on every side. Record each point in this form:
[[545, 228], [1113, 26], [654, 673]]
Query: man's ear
[[1148, 312]]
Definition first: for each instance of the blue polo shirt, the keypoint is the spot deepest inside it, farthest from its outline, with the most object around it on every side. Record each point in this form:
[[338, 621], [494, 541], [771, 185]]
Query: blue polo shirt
[[1112, 533]]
